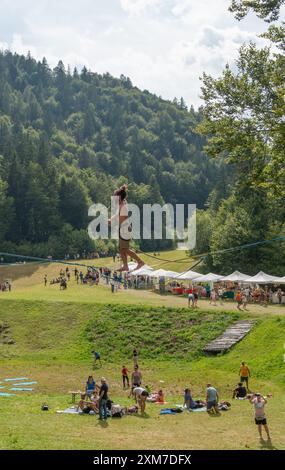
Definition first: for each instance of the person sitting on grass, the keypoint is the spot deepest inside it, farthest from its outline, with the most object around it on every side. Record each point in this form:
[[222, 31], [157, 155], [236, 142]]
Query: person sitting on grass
[[191, 404], [87, 406], [259, 403], [240, 391], [212, 398]]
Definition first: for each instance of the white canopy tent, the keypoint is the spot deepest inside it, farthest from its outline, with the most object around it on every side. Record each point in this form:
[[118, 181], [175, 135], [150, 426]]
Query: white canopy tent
[[210, 277], [143, 271], [164, 273], [188, 276], [263, 278], [132, 266], [172, 274], [236, 276], [159, 273]]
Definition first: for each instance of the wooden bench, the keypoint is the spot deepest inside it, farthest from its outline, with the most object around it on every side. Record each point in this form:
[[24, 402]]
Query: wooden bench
[[73, 395]]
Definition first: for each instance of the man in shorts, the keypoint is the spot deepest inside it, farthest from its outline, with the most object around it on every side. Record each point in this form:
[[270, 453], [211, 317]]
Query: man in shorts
[[191, 298], [212, 398], [260, 419], [244, 373], [140, 395]]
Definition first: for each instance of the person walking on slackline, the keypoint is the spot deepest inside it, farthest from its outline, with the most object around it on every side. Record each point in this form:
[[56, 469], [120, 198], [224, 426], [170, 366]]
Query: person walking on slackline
[[124, 243]]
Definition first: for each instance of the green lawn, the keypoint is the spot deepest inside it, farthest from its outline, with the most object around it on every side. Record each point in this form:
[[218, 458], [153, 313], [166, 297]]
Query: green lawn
[[53, 341]]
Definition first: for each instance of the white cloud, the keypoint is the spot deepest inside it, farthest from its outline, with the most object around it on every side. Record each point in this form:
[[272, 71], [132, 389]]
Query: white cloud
[[137, 7], [162, 45]]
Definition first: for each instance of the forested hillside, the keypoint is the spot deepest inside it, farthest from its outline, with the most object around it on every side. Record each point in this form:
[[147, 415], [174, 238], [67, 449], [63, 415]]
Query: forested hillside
[[67, 139]]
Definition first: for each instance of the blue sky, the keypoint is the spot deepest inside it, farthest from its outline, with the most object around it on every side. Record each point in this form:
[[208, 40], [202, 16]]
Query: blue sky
[[162, 45]]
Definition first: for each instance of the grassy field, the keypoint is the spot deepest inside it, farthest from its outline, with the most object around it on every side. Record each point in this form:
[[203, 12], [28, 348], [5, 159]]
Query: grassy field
[[55, 332]]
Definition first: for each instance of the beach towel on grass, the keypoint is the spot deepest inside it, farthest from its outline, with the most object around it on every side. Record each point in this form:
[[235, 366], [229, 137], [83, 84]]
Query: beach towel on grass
[[16, 389], [17, 379], [69, 411], [170, 411], [7, 395], [24, 383], [200, 409]]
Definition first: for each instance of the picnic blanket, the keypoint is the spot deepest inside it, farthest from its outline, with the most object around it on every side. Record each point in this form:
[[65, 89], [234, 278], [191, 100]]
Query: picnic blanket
[[170, 411], [204, 408], [69, 411]]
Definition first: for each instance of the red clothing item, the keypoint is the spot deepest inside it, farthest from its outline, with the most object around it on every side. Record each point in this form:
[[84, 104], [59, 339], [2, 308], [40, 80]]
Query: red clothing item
[[125, 371]]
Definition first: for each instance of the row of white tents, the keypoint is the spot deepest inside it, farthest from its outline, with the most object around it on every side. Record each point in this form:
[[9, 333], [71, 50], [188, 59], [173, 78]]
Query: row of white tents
[[236, 276]]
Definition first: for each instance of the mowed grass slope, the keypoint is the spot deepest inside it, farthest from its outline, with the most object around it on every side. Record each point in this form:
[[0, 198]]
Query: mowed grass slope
[[53, 346]]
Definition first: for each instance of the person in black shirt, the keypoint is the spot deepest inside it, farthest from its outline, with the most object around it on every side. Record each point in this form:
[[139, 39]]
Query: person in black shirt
[[103, 397], [240, 391]]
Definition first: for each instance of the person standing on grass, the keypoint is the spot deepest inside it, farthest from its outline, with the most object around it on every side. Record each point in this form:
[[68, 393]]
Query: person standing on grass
[[90, 386], [221, 295], [135, 357], [212, 398], [97, 358], [260, 419], [125, 377], [244, 373], [136, 379], [124, 239], [244, 300], [45, 280], [279, 296], [103, 397], [191, 298], [213, 297], [239, 300]]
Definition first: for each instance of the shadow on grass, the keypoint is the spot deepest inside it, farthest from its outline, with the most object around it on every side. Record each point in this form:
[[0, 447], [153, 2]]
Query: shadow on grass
[[214, 415], [102, 423], [267, 445]]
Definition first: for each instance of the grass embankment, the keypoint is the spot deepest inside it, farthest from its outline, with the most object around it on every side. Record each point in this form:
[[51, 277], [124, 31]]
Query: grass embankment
[[53, 341]]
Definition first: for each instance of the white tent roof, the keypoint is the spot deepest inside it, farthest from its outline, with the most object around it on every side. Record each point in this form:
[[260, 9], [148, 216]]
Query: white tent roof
[[282, 280], [236, 276], [160, 273], [143, 271], [172, 274], [132, 266], [210, 277], [188, 275], [263, 278]]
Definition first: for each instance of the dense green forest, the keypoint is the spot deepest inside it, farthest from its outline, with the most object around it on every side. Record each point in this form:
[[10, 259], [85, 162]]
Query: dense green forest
[[68, 138]]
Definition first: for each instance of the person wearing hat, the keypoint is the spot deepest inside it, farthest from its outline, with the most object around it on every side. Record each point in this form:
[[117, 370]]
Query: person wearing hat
[[103, 397]]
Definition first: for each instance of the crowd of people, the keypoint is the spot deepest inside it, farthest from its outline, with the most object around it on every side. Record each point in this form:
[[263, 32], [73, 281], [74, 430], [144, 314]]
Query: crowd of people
[[95, 398], [242, 296]]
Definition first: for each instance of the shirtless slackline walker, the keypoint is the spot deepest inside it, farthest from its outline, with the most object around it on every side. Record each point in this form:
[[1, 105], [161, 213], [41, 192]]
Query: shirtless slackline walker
[[124, 244]]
